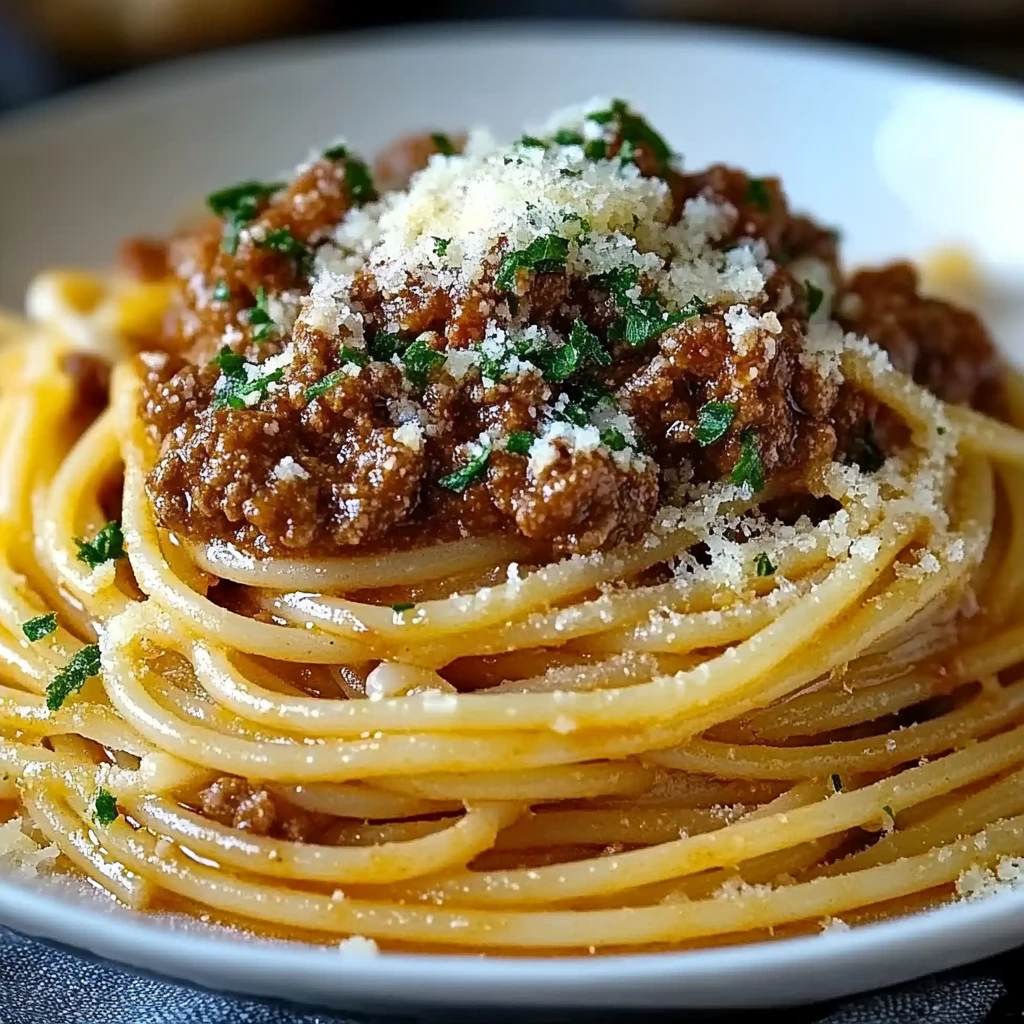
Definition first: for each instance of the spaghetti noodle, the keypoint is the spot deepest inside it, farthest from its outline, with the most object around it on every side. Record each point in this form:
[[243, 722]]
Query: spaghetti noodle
[[765, 675]]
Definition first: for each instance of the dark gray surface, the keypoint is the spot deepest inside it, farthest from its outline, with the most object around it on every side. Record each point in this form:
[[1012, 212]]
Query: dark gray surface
[[41, 983]]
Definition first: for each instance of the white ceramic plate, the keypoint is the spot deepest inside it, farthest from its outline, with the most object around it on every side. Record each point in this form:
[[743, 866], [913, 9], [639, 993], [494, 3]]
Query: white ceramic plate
[[903, 157]]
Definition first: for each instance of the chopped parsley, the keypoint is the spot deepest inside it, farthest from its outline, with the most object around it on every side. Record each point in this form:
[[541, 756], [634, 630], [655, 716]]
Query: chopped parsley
[[324, 384], [399, 608], [533, 141], [581, 349], [283, 241], [713, 420], [222, 293], [749, 469], [764, 566], [888, 810], [866, 451], [634, 132], [644, 318], [105, 808], [260, 320], [441, 245], [106, 546], [359, 181], [837, 784], [83, 665], [339, 152], [567, 137], [443, 144], [42, 625], [348, 354], [595, 149], [419, 360], [383, 347], [613, 439], [759, 194], [815, 297], [469, 474], [237, 384], [237, 205], [519, 442], [546, 253]]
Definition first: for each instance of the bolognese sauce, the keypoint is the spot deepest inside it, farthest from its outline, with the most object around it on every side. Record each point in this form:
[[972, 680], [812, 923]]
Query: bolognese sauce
[[548, 338]]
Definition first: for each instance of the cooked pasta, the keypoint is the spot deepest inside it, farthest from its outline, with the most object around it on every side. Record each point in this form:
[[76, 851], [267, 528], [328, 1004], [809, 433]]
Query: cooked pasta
[[551, 553]]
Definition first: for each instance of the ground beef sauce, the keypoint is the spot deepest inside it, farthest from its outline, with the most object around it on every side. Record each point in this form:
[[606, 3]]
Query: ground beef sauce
[[543, 338]]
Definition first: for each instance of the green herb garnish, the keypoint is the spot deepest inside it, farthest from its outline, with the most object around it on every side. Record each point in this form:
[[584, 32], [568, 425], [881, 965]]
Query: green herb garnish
[[348, 354], [106, 546], [260, 320], [221, 292], [567, 137], [441, 245], [443, 144], [644, 318], [359, 181], [470, 473], [324, 384], [596, 149], [399, 608], [759, 194], [633, 132], [613, 439], [339, 152], [236, 381], [283, 241], [764, 566], [42, 625], [237, 205], [105, 808], [532, 140], [383, 347], [546, 253], [888, 810], [419, 360], [749, 469], [519, 442], [83, 665], [713, 420], [815, 297]]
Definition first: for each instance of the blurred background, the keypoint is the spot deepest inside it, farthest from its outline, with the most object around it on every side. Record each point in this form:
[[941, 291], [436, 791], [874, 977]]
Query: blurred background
[[47, 46]]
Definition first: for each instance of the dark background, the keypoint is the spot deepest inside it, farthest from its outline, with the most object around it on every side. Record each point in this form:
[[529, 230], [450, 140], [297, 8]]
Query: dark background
[[47, 46]]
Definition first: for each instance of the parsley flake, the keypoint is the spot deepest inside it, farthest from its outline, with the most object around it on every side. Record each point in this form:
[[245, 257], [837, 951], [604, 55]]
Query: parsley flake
[[888, 810], [42, 625], [237, 205], [567, 137], [764, 566], [283, 241], [759, 194], [519, 442], [441, 245], [260, 320], [324, 384], [383, 347], [613, 439], [399, 608], [443, 144], [360, 182], [533, 141], [419, 360], [713, 420], [339, 152], [83, 665], [546, 253], [105, 808], [236, 385], [634, 133], [348, 354], [106, 546], [749, 469], [469, 474], [221, 292], [815, 297], [596, 149]]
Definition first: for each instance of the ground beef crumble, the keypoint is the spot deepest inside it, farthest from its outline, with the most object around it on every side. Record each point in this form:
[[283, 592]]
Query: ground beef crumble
[[319, 471]]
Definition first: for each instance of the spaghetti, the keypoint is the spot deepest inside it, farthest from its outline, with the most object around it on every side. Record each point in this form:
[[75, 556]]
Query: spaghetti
[[765, 676]]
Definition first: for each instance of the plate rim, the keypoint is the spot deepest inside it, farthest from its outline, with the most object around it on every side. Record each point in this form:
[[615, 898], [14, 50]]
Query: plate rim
[[135, 940]]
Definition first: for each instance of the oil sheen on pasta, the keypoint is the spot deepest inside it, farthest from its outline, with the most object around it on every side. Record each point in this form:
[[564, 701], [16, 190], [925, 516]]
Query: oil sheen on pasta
[[530, 547]]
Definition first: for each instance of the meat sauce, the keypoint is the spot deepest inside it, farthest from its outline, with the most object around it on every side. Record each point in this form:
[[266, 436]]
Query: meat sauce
[[350, 444]]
